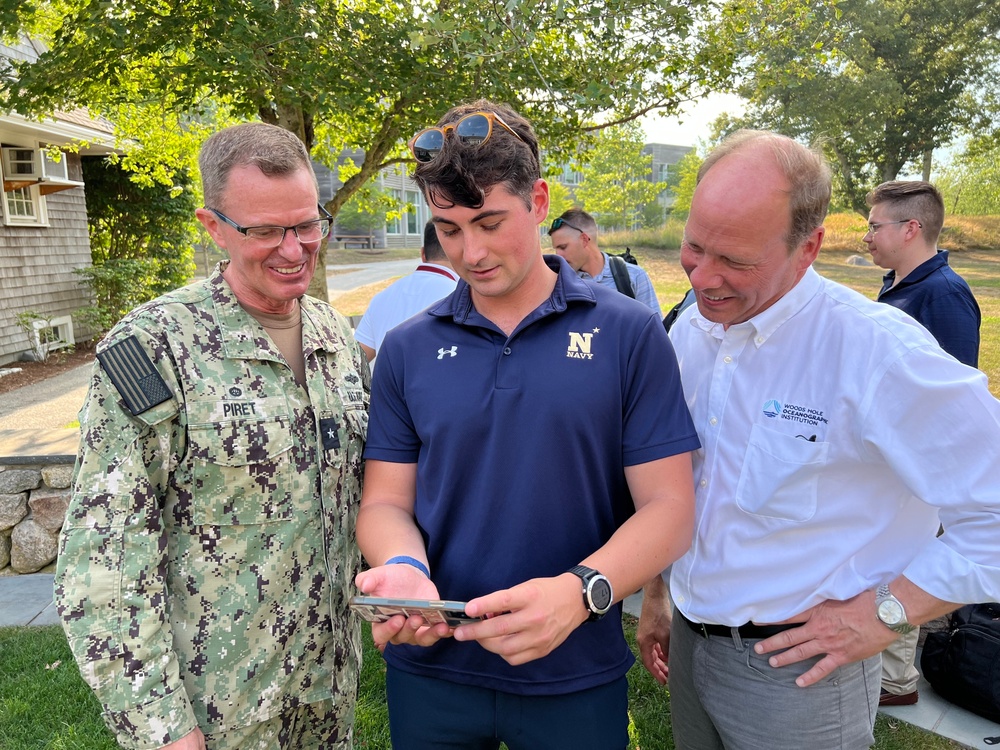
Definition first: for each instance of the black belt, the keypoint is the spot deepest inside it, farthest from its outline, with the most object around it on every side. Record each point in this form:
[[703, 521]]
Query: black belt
[[747, 631]]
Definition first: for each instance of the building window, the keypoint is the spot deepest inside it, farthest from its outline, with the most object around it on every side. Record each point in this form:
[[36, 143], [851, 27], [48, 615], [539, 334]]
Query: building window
[[395, 226], [412, 212], [21, 206], [22, 203]]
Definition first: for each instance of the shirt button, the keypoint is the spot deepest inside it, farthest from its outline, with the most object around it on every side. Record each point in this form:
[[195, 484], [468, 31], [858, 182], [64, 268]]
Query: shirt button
[[760, 339], [506, 350], [703, 483], [728, 360], [713, 421]]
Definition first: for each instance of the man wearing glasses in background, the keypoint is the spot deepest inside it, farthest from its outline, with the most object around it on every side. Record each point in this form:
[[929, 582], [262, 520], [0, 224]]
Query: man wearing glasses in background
[[208, 548], [528, 452], [903, 228], [574, 237]]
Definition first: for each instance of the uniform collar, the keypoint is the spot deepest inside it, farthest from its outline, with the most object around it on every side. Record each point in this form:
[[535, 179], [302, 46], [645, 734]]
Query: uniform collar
[[244, 338]]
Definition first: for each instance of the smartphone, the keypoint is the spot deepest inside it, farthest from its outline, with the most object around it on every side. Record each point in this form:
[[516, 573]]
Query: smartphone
[[379, 609]]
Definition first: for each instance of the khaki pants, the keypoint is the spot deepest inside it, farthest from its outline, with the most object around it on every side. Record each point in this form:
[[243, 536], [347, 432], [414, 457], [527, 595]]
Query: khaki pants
[[899, 672]]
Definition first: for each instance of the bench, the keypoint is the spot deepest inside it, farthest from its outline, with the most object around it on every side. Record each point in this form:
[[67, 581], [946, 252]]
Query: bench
[[361, 240]]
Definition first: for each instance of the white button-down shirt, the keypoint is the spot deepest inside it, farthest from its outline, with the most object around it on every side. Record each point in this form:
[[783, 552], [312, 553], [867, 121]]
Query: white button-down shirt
[[835, 434]]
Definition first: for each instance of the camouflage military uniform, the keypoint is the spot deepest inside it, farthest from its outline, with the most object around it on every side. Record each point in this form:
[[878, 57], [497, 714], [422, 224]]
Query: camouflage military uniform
[[209, 547]]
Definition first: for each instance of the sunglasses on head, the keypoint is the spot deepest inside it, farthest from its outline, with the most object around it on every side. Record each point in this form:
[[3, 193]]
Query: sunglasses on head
[[472, 130], [560, 223]]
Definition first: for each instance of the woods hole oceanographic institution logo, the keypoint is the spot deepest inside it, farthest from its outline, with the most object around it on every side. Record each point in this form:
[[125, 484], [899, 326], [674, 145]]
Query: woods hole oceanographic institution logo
[[772, 408]]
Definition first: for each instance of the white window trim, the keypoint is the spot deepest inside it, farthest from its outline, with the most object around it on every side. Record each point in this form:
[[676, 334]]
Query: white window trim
[[41, 218]]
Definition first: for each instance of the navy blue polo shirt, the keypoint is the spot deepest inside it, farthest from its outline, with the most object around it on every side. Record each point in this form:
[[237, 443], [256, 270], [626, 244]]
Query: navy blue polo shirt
[[521, 444], [942, 302]]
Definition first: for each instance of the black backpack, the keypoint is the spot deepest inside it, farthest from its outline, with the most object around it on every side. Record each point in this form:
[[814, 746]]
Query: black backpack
[[963, 664], [620, 271], [686, 301]]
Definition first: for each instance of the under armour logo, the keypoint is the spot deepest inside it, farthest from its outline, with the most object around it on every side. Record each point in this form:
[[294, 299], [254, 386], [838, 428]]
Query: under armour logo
[[453, 352]]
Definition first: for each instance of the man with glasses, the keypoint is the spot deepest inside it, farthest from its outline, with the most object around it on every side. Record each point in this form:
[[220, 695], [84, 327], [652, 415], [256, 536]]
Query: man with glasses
[[208, 550], [529, 453], [574, 237], [903, 228], [922, 284], [836, 437]]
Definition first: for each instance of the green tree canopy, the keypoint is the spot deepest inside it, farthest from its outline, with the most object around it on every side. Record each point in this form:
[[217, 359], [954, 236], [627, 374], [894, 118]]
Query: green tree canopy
[[970, 184], [880, 83], [616, 177], [369, 73]]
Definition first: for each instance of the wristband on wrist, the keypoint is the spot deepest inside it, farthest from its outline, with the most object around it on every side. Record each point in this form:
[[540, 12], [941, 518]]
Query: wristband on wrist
[[407, 560]]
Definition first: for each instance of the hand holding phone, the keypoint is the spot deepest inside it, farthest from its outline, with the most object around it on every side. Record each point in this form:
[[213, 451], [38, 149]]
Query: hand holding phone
[[434, 611]]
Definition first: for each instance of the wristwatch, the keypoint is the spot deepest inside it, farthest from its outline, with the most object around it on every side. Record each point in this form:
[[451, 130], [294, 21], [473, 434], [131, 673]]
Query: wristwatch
[[890, 611], [597, 594]]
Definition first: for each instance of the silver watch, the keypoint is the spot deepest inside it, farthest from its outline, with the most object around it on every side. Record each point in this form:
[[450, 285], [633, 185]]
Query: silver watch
[[890, 611]]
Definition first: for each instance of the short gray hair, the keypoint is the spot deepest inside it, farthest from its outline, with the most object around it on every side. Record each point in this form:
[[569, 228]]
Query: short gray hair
[[274, 151]]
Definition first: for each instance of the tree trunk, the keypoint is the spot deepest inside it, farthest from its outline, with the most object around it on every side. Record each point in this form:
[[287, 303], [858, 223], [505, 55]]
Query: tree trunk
[[926, 175]]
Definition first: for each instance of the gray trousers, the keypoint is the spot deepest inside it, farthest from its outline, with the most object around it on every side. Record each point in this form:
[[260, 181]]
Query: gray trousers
[[723, 696]]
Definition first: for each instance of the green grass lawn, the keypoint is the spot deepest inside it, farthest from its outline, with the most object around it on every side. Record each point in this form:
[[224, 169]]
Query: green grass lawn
[[45, 705]]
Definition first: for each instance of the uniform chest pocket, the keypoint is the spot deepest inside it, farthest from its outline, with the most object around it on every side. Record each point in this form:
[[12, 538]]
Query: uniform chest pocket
[[780, 475], [241, 472]]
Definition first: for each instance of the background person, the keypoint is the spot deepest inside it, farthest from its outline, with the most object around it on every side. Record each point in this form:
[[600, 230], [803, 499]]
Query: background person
[[433, 279], [574, 238], [903, 228], [208, 548], [485, 484], [826, 467]]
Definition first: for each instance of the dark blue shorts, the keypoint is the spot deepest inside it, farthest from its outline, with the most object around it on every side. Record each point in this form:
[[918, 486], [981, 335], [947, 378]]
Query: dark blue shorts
[[430, 714]]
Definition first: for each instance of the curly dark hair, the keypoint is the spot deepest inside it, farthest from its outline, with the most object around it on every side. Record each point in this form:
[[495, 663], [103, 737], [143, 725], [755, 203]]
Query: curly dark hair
[[464, 175]]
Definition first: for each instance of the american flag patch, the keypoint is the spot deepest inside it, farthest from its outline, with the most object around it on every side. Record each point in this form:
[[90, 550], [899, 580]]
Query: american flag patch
[[133, 374]]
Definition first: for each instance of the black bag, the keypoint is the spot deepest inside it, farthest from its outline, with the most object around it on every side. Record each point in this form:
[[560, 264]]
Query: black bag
[[623, 281], [963, 664], [686, 301]]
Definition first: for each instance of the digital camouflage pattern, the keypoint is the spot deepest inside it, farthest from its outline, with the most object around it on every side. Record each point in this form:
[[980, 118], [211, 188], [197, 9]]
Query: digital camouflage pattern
[[208, 551]]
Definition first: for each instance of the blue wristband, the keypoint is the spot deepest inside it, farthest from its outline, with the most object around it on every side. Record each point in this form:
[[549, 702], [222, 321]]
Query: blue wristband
[[407, 560]]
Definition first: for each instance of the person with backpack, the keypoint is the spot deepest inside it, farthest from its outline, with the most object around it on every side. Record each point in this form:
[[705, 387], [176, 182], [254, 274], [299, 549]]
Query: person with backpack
[[574, 237]]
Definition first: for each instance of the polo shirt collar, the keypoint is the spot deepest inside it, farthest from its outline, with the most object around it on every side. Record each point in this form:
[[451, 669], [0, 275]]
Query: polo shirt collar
[[918, 274], [568, 288], [764, 324]]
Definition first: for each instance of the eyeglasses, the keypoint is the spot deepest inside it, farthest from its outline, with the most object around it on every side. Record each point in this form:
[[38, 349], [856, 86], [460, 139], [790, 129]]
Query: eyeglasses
[[874, 226], [560, 223], [267, 236], [472, 130]]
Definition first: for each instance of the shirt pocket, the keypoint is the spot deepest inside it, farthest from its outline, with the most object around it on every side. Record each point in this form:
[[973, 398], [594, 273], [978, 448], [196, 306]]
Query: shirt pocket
[[241, 471], [780, 475]]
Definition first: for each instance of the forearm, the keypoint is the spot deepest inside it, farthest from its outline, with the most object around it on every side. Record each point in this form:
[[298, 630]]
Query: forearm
[[920, 606], [385, 531], [658, 532], [655, 536]]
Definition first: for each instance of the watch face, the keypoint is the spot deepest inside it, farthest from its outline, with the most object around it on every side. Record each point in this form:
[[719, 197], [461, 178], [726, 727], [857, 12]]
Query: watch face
[[890, 612], [600, 594]]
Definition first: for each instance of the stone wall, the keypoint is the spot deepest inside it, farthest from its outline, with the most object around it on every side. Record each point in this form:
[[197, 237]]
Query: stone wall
[[33, 502]]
